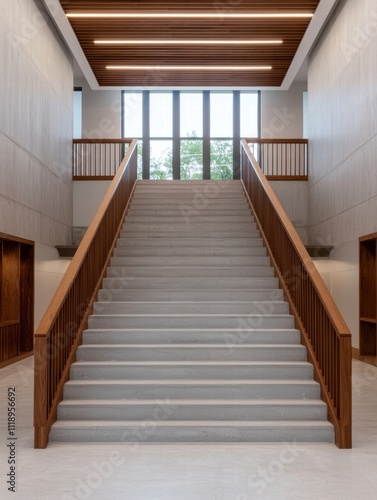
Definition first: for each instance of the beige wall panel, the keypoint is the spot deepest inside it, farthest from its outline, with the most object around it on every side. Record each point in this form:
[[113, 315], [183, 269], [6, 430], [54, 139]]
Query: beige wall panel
[[36, 122], [342, 129]]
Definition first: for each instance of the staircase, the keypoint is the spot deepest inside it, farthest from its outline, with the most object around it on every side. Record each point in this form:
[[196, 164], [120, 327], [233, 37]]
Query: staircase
[[191, 339]]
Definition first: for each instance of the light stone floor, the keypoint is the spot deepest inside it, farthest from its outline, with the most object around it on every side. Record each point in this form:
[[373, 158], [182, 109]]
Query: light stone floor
[[191, 472]]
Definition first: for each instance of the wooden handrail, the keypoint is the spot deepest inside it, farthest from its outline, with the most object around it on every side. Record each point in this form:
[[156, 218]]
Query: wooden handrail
[[281, 159], [60, 330], [259, 140], [97, 159], [323, 330]]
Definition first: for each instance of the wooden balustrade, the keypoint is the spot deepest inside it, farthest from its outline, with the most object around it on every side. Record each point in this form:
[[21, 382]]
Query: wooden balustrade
[[281, 159], [97, 159], [60, 330], [323, 329]]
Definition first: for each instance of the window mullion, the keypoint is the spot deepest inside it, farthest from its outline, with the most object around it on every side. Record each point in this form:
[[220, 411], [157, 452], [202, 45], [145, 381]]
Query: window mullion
[[206, 135], [146, 135], [176, 135], [236, 134]]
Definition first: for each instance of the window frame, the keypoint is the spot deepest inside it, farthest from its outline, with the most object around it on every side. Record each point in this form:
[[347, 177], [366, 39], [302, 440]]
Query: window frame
[[176, 135]]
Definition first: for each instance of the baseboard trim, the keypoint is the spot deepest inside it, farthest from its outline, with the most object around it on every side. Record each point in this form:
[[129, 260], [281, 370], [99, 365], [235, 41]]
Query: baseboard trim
[[11, 361], [369, 360]]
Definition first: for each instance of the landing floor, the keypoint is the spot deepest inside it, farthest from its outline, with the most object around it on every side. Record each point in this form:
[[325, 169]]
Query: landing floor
[[191, 472]]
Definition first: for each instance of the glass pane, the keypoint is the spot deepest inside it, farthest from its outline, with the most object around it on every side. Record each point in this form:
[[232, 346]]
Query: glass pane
[[222, 160], [222, 114], [161, 114], [140, 159], [133, 114], [191, 111], [249, 114], [77, 114], [191, 160], [161, 166]]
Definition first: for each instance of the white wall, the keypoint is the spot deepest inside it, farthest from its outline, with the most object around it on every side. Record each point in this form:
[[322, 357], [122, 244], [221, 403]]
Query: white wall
[[101, 112], [293, 195], [282, 118], [87, 196], [342, 93], [101, 118], [282, 112], [341, 275], [49, 270], [36, 89]]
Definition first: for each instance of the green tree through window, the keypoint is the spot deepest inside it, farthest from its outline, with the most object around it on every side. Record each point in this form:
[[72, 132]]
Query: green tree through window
[[190, 135], [192, 160]]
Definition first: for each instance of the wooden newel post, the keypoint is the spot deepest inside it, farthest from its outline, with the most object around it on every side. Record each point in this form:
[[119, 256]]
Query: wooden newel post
[[40, 392]]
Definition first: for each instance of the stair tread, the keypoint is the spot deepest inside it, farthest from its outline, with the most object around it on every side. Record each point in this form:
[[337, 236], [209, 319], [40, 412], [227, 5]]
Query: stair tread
[[184, 302], [194, 346], [227, 315], [199, 402], [195, 423], [183, 382], [185, 330], [207, 290], [193, 303], [193, 363]]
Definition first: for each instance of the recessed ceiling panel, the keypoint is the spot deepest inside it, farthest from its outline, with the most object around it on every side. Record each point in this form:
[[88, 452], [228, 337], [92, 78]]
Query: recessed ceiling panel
[[172, 44]]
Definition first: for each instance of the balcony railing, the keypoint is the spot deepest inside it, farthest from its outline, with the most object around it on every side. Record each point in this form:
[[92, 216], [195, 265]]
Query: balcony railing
[[281, 159], [98, 159]]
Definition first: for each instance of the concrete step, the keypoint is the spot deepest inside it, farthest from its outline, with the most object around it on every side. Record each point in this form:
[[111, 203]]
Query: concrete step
[[228, 337], [192, 261], [201, 233], [190, 203], [194, 370], [202, 295], [281, 389], [192, 431], [190, 352], [202, 188], [199, 191], [191, 321], [189, 193], [146, 183], [247, 228], [180, 251], [192, 243], [193, 272], [190, 283], [183, 219], [257, 307], [192, 409], [171, 211]]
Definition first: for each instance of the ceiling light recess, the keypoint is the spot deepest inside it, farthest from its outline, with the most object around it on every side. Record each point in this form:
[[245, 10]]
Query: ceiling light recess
[[189, 68], [188, 42], [191, 15]]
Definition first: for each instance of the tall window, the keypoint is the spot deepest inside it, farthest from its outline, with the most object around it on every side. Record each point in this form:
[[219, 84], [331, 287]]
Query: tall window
[[132, 123], [190, 134], [221, 127], [77, 113], [161, 135]]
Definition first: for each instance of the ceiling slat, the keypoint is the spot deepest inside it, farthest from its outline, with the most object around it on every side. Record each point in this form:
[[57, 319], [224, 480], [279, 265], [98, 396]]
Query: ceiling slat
[[290, 31]]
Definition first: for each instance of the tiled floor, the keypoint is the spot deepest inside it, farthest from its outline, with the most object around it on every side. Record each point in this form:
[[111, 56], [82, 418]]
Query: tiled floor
[[191, 472]]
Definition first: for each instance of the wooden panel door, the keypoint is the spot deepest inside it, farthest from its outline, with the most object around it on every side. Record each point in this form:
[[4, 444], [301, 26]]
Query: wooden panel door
[[16, 298]]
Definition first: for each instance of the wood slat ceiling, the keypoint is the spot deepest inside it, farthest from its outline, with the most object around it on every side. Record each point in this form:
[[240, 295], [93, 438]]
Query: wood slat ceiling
[[279, 57]]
